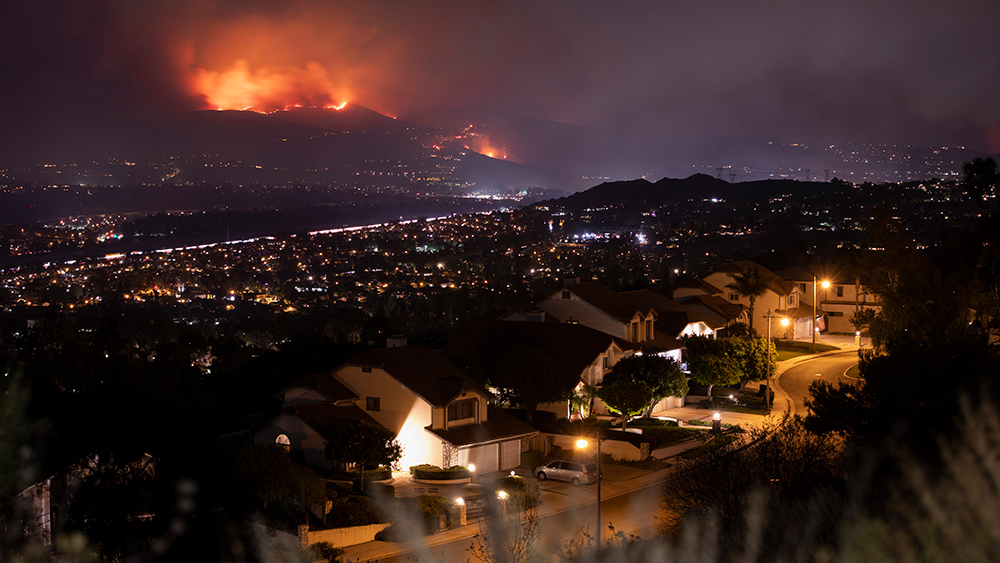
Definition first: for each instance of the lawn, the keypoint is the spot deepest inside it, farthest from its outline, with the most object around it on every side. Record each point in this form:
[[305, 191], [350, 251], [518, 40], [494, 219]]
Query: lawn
[[788, 349]]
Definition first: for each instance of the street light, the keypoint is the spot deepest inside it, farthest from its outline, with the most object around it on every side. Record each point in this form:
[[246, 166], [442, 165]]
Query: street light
[[826, 284], [581, 444], [784, 322]]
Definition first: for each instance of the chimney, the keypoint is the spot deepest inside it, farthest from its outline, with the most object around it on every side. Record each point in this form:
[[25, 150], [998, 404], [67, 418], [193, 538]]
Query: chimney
[[395, 341], [571, 281]]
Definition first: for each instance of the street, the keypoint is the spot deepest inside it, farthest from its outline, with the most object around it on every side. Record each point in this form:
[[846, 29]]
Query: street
[[632, 513], [796, 379]]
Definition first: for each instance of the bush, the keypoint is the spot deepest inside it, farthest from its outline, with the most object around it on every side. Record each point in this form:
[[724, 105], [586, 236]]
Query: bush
[[426, 510], [531, 459], [433, 472], [379, 474], [353, 511], [325, 550], [525, 491]]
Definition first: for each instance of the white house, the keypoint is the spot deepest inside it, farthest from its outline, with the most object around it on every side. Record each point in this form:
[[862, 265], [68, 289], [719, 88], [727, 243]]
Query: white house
[[439, 415]]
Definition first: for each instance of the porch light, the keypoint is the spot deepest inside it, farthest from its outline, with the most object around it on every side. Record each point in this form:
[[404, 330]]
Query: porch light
[[460, 501]]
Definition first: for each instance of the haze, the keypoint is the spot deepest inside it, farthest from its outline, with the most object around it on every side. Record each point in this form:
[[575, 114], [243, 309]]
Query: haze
[[78, 73]]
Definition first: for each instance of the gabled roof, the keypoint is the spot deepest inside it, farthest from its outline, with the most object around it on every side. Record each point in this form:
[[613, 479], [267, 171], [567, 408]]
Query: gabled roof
[[723, 307], [574, 346], [499, 426], [425, 372], [324, 417], [774, 282], [671, 317], [608, 300], [326, 384], [702, 285]]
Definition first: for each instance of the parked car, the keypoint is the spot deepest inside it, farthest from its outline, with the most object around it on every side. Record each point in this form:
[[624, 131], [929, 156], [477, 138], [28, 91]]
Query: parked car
[[565, 470]]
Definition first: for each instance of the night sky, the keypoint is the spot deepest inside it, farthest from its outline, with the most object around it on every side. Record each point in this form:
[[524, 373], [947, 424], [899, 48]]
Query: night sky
[[896, 71]]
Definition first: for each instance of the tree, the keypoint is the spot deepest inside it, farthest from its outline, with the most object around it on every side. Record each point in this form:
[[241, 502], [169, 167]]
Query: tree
[[662, 375], [511, 529], [528, 375], [363, 443], [980, 178], [750, 284], [757, 359], [713, 362], [626, 398]]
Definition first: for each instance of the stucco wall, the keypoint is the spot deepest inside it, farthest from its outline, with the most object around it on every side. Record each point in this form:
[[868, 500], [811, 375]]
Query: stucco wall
[[341, 537]]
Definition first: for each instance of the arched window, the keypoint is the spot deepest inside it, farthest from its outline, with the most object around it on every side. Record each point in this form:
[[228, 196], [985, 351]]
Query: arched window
[[283, 442]]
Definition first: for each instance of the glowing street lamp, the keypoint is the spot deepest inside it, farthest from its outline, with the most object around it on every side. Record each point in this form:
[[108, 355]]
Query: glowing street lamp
[[784, 322], [581, 444], [825, 284]]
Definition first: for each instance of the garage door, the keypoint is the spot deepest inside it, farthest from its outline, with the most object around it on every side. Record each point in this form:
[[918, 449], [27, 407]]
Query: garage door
[[484, 457], [510, 454]]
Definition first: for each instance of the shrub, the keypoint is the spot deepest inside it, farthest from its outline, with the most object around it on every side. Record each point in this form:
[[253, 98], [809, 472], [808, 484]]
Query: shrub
[[434, 472], [379, 474], [531, 459], [353, 511], [325, 550]]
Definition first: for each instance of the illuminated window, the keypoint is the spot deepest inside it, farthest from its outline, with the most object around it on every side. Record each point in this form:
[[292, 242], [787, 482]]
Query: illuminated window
[[460, 410], [283, 442], [373, 404]]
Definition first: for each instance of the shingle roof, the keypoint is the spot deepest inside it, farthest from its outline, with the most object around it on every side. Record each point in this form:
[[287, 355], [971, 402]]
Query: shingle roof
[[425, 372], [324, 417], [574, 346], [499, 426], [326, 384]]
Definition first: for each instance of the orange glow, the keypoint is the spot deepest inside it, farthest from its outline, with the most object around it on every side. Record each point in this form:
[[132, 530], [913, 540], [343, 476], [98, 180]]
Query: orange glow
[[267, 89]]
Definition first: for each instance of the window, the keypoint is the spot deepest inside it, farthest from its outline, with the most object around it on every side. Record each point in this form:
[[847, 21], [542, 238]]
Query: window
[[802, 287], [366, 370], [635, 332], [460, 410], [607, 362], [791, 300], [373, 404], [566, 294], [836, 313], [840, 291], [283, 442], [734, 296], [649, 330]]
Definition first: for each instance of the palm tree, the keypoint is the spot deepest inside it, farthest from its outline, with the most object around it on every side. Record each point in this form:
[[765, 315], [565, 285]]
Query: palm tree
[[751, 284]]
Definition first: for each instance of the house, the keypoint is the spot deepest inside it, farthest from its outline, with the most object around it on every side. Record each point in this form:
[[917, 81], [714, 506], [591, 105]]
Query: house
[[583, 355], [837, 303], [780, 296], [439, 414], [718, 312], [632, 315]]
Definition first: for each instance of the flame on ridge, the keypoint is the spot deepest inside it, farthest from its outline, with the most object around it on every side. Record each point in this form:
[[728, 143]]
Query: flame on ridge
[[269, 89]]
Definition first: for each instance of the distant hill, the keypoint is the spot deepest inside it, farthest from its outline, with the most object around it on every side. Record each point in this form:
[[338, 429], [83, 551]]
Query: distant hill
[[643, 194]]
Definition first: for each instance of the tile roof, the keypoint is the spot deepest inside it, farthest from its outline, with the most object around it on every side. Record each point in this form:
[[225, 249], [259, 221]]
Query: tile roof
[[425, 372], [719, 305], [323, 417], [828, 272], [574, 346], [326, 384], [671, 317], [702, 285], [607, 300], [774, 282], [499, 426]]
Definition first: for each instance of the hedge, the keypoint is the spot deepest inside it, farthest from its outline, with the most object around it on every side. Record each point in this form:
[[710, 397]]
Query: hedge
[[435, 473]]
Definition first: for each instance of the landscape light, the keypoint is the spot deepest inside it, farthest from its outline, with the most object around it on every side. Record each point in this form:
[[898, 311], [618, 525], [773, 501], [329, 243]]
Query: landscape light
[[502, 495]]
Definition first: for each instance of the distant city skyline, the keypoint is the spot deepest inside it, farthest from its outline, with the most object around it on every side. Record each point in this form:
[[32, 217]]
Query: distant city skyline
[[892, 72]]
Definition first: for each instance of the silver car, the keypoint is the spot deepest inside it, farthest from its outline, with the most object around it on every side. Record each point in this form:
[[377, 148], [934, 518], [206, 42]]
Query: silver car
[[564, 470]]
